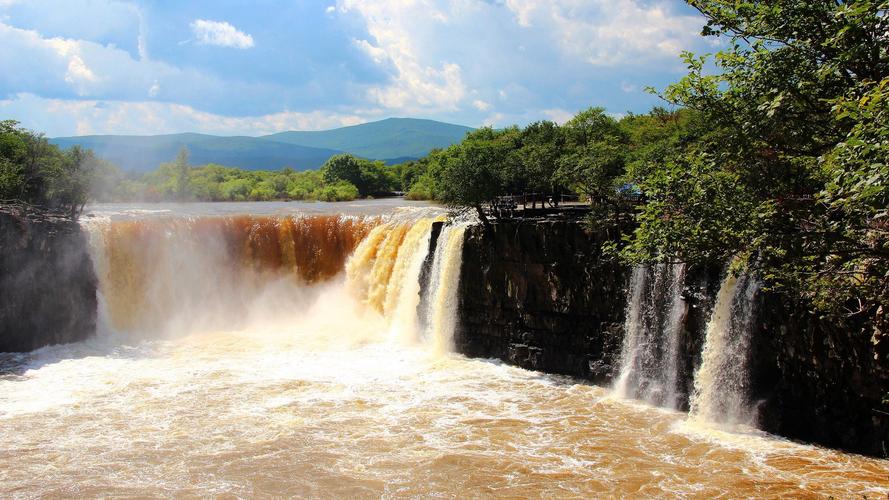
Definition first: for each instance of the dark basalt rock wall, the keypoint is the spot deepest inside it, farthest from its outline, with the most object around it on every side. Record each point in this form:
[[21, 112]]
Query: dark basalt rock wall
[[47, 283], [541, 296], [821, 381]]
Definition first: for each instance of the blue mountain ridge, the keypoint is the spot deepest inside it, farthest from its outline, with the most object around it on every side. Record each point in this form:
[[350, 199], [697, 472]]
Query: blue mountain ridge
[[393, 140]]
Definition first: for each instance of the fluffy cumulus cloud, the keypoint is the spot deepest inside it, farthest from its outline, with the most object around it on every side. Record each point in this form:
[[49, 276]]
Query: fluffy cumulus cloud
[[61, 67], [132, 66], [417, 83], [220, 33]]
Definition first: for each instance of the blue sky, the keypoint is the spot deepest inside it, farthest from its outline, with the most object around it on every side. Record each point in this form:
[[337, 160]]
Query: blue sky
[[74, 67]]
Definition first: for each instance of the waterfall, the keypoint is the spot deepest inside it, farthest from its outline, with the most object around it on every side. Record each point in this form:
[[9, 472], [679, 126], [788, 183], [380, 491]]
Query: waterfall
[[178, 275], [186, 274], [386, 270], [441, 311], [721, 385], [384, 273], [650, 365]]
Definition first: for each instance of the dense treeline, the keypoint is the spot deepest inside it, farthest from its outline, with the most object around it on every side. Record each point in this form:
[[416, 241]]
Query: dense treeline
[[343, 177], [589, 156], [36, 172]]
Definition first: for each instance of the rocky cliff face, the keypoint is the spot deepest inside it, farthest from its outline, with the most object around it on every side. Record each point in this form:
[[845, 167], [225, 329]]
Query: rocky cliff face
[[541, 296], [821, 381], [47, 282]]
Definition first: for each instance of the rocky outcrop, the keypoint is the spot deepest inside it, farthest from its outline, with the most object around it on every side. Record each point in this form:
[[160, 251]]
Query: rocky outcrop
[[540, 295], [820, 381], [47, 282]]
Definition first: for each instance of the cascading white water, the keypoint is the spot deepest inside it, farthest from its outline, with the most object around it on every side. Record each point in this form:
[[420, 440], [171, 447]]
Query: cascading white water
[[403, 296], [386, 270], [444, 282], [673, 330], [634, 331], [721, 384], [651, 353]]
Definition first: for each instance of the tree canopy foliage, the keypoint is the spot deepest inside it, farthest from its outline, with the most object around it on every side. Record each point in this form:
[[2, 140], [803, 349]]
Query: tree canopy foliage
[[34, 171], [586, 157], [790, 174]]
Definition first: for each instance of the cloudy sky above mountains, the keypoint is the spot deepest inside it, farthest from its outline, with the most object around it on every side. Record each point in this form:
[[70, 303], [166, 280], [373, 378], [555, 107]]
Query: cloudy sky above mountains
[[74, 67]]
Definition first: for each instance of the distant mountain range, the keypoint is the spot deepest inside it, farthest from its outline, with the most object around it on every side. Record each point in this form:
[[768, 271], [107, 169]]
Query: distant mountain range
[[392, 140]]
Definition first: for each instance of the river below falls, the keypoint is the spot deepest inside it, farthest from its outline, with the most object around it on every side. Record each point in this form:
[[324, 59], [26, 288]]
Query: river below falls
[[226, 363], [301, 412]]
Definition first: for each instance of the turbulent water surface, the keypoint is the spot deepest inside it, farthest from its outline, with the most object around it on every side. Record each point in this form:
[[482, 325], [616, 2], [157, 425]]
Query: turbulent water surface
[[226, 365]]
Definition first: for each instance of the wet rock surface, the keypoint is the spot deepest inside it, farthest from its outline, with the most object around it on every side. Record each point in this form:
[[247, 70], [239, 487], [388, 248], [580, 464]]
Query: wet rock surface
[[541, 296], [47, 282]]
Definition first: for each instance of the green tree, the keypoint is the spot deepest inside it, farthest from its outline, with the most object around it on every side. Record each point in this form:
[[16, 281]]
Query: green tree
[[183, 175], [337, 191], [13, 150], [471, 173], [593, 163], [342, 167], [538, 159]]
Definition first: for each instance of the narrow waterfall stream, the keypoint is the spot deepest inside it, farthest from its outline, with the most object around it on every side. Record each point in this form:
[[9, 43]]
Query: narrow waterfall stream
[[281, 356], [721, 384], [651, 357]]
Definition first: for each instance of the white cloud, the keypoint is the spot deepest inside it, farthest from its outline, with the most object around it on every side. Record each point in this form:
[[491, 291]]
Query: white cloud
[[60, 67], [493, 120], [558, 115], [330, 9], [377, 54], [417, 85], [59, 117], [481, 105], [78, 71], [610, 32], [220, 33], [629, 87], [154, 89]]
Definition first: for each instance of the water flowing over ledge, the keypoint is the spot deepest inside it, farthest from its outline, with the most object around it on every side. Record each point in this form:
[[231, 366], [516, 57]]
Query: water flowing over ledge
[[174, 275], [650, 356]]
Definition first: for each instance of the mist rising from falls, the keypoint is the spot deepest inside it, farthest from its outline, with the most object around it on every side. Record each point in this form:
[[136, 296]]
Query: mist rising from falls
[[721, 385], [650, 365], [173, 276], [191, 274]]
